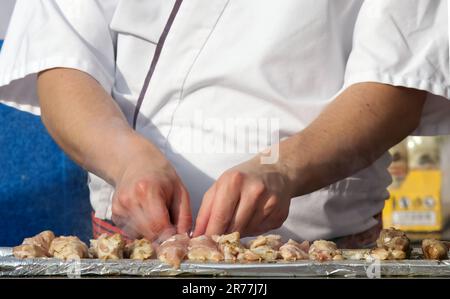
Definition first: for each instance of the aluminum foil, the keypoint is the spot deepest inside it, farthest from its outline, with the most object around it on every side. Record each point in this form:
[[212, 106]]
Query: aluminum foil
[[12, 267], [5, 251]]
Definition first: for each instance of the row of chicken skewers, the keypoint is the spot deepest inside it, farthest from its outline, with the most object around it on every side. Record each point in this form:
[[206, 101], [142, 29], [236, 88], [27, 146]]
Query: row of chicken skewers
[[392, 244]]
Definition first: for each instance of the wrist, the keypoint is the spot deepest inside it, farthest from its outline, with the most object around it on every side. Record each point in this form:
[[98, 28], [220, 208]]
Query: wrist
[[134, 149], [293, 166]]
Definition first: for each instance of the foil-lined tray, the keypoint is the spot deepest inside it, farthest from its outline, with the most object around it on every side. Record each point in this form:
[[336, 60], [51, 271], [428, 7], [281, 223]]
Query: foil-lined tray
[[415, 267]]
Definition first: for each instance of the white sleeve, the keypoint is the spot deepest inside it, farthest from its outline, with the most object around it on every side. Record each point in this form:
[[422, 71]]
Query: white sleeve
[[45, 34], [406, 43]]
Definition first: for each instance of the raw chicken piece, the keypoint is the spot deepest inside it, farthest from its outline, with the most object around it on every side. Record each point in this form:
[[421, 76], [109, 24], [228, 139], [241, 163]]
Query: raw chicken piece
[[292, 250], [380, 254], [434, 249], [43, 239], [272, 241], [68, 248], [261, 253], [263, 248], [174, 250], [356, 254], [250, 256], [393, 239], [322, 250], [36, 246], [108, 247], [392, 244], [139, 249], [25, 251], [386, 254], [230, 246], [398, 254], [203, 248]]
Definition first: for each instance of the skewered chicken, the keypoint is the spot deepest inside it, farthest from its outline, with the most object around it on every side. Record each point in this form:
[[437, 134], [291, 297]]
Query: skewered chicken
[[68, 248], [230, 246], [139, 249], [36, 246], [322, 250], [203, 248], [394, 239], [263, 248], [108, 247], [174, 250], [292, 250], [434, 249]]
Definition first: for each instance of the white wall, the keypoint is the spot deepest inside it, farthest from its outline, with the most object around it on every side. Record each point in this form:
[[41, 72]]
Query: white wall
[[6, 8]]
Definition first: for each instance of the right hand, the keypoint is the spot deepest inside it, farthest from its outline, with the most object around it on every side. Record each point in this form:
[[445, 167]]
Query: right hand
[[150, 200]]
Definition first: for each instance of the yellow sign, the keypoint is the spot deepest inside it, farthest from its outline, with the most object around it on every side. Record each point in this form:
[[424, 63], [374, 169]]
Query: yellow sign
[[415, 206]]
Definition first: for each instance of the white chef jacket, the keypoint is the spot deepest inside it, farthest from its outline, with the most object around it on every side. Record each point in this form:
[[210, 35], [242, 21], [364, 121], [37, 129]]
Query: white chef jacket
[[224, 60]]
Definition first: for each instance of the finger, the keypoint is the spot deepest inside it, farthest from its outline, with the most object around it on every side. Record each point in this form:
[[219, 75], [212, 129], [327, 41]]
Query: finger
[[129, 219], [121, 218], [144, 210], [181, 210], [154, 218], [263, 217], [271, 222], [243, 214], [131, 230], [119, 213], [247, 207], [254, 224], [205, 209], [225, 202], [136, 223], [272, 217]]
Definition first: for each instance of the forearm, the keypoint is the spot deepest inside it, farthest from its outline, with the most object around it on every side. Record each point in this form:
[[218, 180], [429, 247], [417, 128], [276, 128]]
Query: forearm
[[351, 133], [88, 125]]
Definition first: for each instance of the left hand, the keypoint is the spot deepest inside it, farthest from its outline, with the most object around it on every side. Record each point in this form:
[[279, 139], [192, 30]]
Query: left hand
[[251, 198]]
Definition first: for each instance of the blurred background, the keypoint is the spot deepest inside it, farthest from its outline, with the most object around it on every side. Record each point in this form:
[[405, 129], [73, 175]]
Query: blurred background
[[420, 193], [40, 188]]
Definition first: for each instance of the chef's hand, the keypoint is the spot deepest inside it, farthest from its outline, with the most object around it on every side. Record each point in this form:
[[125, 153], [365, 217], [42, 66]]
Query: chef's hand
[[251, 198], [150, 200], [88, 124]]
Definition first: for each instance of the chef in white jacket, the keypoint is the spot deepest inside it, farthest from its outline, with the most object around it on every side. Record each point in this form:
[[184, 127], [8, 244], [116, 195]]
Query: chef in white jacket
[[229, 115]]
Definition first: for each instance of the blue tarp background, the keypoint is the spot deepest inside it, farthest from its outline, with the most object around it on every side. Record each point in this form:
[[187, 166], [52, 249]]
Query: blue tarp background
[[40, 187]]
